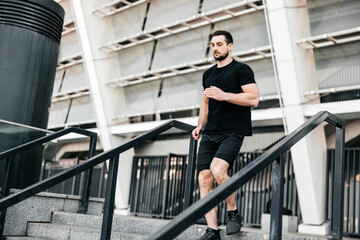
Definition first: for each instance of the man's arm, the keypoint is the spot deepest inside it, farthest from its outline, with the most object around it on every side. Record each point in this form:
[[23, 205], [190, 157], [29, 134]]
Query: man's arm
[[249, 97], [202, 118]]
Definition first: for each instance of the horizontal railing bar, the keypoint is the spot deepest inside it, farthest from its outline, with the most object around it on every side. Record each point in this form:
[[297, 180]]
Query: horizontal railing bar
[[45, 139], [220, 193], [55, 179], [25, 126]]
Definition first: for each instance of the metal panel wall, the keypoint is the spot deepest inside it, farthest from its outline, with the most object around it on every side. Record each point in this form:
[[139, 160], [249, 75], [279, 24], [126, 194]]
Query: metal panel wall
[[134, 60], [75, 78], [264, 76], [181, 91], [141, 98], [333, 15], [338, 65], [129, 22], [248, 31], [58, 113], [162, 12], [70, 46], [181, 48], [211, 4], [81, 111]]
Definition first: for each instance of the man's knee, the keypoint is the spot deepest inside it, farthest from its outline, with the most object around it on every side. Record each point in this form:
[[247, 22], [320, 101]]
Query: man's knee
[[219, 170], [205, 178]]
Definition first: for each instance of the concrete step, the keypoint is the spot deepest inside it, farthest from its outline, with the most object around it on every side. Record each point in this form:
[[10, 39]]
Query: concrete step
[[53, 216], [146, 226], [23, 238], [51, 231], [128, 224], [39, 207], [123, 224]]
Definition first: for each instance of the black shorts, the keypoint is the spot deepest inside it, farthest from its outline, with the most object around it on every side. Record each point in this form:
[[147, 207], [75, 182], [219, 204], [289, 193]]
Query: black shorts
[[223, 146]]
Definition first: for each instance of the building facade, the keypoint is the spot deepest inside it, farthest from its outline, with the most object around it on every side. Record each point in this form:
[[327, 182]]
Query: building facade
[[128, 66]]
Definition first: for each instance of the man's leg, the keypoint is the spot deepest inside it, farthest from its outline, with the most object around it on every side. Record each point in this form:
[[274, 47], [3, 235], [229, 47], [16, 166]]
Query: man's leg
[[207, 150], [206, 182], [219, 169]]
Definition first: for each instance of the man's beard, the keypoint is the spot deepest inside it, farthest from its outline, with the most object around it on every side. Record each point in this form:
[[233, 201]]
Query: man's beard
[[221, 57]]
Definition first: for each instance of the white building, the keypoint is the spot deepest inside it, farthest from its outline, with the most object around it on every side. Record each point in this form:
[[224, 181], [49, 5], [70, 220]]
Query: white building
[[128, 66]]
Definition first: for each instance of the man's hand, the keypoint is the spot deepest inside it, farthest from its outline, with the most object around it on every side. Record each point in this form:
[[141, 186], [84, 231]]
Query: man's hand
[[215, 93], [196, 132], [249, 96]]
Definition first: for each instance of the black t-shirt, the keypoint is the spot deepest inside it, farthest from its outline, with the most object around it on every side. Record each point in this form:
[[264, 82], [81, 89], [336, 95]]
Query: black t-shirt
[[225, 117]]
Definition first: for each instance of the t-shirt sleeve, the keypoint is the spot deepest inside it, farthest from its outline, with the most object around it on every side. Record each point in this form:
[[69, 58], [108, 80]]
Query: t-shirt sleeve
[[203, 81], [204, 76], [246, 75]]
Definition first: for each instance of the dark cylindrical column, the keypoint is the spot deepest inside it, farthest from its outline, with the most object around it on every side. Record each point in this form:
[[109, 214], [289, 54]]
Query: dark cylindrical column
[[30, 32]]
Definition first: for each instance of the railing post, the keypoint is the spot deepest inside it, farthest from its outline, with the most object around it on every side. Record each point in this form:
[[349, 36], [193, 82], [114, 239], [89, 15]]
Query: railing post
[[5, 190], [327, 178], [277, 196], [166, 187], [109, 199], [338, 200], [88, 177], [190, 173]]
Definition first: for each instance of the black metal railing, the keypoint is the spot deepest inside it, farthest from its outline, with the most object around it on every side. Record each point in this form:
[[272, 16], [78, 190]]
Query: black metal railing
[[163, 179], [113, 156], [276, 155], [254, 197], [352, 190], [75, 185], [10, 154]]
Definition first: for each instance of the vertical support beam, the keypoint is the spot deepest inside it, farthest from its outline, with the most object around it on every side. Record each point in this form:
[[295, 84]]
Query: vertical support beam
[[190, 173], [338, 201], [109, 199], [95, 87], [277, 197], [296, 73], [88, 178]]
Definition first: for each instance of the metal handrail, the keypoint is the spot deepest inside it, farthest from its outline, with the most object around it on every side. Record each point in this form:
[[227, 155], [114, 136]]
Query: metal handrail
[[275, 153], [113, 156], [45, 139], [9, 154]]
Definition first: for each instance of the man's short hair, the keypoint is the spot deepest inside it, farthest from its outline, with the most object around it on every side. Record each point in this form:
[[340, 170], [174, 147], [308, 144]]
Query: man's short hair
[[226, 34]]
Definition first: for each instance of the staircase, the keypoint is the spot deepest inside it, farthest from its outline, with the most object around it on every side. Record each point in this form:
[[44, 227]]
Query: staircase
[[61, 222], [73, 226], [30, 218]]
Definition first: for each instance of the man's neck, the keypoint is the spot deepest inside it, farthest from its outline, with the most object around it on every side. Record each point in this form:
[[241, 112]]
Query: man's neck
[[224, 62]]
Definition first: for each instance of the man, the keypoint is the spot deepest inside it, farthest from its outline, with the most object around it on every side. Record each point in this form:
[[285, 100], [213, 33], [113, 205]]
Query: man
[[224, 119]]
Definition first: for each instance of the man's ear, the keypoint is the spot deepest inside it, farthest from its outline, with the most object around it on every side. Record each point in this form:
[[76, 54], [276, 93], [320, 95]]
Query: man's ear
[[230, 45]]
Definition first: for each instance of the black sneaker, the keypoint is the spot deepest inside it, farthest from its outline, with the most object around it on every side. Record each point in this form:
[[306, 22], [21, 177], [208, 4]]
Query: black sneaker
[[233, 223], [210, 234]]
